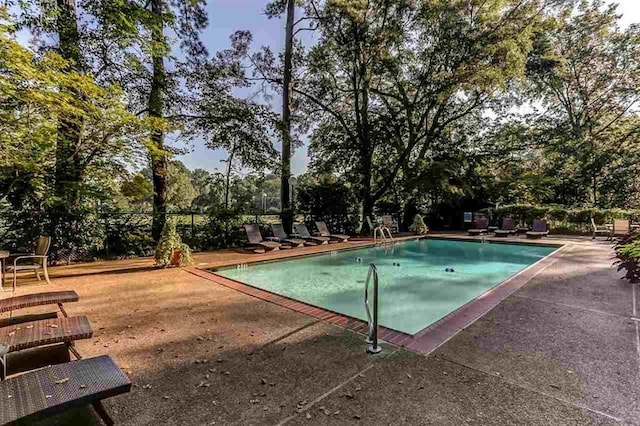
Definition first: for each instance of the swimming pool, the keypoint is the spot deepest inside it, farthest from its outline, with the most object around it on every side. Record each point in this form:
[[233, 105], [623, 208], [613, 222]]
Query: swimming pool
[[415, 289]]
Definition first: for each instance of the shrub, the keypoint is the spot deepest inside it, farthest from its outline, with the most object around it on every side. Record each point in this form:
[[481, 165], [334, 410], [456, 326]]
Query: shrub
[[222, 229], [169, 242], [128, 235], [418, 225], [628, 256], [331, 200]]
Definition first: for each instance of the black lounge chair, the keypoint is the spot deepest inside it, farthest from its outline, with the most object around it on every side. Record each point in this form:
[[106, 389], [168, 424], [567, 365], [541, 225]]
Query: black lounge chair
[[324, 232], [256, 241], [538, 230], [482, 227], [302, 230], [282, 237], [41, 393], [508, 228]]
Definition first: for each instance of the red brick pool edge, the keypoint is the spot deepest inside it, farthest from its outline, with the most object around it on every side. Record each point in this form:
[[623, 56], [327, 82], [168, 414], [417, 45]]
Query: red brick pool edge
[[426, 340]]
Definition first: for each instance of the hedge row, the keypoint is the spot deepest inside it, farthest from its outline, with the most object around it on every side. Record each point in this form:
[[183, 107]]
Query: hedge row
[[578, 220]]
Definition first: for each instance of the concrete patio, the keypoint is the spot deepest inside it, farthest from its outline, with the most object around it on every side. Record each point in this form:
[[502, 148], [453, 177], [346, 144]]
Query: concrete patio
[[564, 349]]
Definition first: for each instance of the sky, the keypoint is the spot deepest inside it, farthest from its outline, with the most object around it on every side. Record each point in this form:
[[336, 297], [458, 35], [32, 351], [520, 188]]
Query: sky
[[228, 16]]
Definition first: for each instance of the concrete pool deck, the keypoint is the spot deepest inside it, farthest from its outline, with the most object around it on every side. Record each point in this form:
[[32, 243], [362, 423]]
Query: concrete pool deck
[[562, 349]]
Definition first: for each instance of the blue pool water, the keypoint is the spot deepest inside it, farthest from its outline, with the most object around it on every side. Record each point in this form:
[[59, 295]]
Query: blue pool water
[[413, 295]]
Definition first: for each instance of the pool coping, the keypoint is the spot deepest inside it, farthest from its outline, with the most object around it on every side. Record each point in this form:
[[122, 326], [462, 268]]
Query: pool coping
[[424, 341]]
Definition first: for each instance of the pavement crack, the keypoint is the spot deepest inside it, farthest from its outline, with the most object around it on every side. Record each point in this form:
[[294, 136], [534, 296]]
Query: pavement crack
[[325, 395]]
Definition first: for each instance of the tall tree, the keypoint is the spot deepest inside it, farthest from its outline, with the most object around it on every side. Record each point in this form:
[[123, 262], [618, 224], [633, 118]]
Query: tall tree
[[39, 92], [156, 109], [587, 71], [149, 46], [287, 82], [387, 79]]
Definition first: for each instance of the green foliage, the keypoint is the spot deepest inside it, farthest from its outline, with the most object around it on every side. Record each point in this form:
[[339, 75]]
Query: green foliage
[[585, 72], [418, 226], [628, 256], [44, 173], [329, 199], [570, 220], [138, 190], [127, 235], [169, 243], [222, 229]]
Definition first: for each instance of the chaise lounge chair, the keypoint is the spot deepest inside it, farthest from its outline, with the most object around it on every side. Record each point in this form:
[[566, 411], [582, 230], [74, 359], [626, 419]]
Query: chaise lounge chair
[[302, 230], [482, 227], [324, 232], [282, 237], [538, 230], [11, 304], [508, 228], [256, 241], [39, 299], [43, 333], [42, 393]]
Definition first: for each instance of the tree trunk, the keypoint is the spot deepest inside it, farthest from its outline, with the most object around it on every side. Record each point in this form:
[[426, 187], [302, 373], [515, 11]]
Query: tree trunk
[[409, 212], [67, 173], [159, 161], [367, 197], [285, 196], [227, 179], [367, 211], [595, 190]]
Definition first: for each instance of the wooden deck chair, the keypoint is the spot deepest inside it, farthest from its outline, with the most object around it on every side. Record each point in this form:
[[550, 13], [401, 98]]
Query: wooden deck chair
[[282, 237], [256, 241], [482, 227], [324, 232], [508, 228], [538, 230], [302, 230]]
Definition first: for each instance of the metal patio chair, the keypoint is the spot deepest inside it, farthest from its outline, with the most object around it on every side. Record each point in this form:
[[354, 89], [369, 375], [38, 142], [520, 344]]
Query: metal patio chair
[[35, 261]]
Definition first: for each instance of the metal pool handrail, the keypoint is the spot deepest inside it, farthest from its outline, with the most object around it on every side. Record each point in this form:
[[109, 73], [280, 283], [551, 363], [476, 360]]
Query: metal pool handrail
[[372, 336], [385, 238]]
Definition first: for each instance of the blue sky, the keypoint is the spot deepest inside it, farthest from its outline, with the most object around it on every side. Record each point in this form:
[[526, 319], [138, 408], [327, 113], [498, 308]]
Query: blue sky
[[227, 16]]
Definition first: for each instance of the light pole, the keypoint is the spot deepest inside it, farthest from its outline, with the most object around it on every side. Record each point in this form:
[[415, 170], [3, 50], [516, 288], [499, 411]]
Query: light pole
[[264, 202]]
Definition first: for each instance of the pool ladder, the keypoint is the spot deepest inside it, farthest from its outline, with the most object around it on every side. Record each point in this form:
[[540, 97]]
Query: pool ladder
[[384, 237], [372, 335]]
